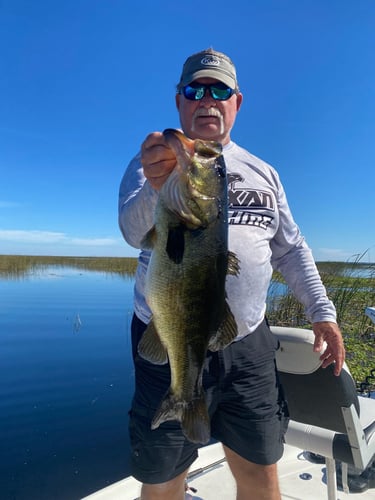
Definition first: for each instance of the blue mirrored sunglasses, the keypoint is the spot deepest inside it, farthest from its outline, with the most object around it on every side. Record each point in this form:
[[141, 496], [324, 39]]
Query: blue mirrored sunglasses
[[196, 91]]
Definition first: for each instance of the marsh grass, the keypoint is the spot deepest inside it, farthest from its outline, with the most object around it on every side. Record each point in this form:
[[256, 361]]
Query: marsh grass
[[21, 266], [350, 289]]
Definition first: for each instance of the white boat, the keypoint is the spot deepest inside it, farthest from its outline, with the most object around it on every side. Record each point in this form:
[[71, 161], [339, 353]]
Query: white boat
[[210, 479], [370, 312], [330, 439]]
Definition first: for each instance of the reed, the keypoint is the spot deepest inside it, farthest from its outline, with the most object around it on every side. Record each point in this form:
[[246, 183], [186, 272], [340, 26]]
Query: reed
[[21, 266], [349, 291]]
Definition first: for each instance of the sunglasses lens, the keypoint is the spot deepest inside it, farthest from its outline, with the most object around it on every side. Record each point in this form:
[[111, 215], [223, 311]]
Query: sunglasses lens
[[219, 91], [194, 93]]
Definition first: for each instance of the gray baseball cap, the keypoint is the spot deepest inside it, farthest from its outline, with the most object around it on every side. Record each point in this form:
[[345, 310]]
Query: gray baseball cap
[[209, 63]]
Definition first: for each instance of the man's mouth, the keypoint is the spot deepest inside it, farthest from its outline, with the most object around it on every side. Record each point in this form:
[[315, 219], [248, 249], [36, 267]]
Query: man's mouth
[[208, 113]]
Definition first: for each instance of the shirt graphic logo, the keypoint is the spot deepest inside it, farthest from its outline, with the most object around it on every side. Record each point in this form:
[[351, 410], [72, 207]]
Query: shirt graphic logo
[[245, 204]]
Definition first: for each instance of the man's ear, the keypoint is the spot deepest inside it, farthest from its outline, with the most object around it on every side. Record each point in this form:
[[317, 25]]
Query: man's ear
[[178, 96], [239, 100]]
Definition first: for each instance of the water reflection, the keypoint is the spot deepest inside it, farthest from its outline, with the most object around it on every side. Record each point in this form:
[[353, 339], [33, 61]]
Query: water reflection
[[66, 382], [66, 374]]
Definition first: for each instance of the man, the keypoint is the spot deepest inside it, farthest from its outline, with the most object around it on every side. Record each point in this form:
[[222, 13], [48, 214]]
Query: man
[[246, 404]]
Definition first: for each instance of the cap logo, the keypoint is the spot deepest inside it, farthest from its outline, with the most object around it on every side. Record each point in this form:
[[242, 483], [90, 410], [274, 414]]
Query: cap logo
[[210, 61]]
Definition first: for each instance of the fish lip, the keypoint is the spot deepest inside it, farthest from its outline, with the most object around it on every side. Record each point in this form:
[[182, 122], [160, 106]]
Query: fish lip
[[184, 147], [170, 133], [178, 141]]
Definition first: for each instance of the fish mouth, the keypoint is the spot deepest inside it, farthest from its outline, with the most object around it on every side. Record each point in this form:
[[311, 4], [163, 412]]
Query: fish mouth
[[185, 148], [178, 142], [186, 191]]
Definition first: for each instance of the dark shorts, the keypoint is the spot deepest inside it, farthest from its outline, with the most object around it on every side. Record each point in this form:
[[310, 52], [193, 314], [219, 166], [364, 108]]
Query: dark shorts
[[245, 400]]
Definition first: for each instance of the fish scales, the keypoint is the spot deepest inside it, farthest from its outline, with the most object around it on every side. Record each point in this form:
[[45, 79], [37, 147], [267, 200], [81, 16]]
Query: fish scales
[[185, 282]]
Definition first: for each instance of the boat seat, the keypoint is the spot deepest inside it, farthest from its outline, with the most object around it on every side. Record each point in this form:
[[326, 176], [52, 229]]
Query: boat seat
[[327, 417], [370, 312]]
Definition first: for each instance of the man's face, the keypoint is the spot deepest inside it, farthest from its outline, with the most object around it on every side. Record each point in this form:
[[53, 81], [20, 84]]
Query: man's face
[[208, 118]]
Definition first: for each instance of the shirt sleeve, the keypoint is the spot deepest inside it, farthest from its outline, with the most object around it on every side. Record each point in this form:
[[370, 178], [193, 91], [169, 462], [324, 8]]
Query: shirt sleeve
[[137, 200], [292, 257]]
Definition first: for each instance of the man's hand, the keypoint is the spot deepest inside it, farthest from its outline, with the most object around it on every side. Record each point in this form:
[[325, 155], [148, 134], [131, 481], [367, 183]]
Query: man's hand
[[326, 331], [157, 158]]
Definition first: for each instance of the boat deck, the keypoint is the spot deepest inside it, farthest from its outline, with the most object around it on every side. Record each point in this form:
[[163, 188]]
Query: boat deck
[[210, 479]]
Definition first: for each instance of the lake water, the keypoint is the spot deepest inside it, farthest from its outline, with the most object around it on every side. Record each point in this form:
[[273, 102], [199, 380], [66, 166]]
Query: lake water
[[66, 381]]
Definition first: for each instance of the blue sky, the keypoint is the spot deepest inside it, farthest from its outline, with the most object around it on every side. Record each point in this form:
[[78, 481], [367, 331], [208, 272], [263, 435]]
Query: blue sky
[[82, 82]]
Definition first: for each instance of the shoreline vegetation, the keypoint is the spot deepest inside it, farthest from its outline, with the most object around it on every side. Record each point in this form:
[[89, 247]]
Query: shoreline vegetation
[[20, 266], [350, 285]]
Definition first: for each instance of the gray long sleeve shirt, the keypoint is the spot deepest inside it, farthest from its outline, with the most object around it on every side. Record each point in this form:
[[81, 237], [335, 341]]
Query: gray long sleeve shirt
[[262, 233]]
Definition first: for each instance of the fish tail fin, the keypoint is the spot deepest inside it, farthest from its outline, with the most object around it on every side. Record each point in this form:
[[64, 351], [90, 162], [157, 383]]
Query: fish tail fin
[[195, 421], [193, 415]]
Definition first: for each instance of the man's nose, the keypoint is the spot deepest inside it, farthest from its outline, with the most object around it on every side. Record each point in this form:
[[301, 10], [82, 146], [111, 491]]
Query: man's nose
[[207, 97]]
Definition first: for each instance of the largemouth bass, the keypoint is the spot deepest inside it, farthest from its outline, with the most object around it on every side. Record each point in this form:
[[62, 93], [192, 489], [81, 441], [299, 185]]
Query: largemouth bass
[[185, 282]]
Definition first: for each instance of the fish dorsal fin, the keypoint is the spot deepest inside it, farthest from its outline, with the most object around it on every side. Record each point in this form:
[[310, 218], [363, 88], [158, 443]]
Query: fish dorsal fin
[[226, 332], [233, 264], [176, 243], [150, 346]]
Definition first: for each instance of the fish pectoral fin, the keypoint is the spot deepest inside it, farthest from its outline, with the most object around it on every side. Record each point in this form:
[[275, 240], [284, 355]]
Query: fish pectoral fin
[[193, 415], [233, 264], [150, 347], [149, 240], [226, 332], [176, 243]]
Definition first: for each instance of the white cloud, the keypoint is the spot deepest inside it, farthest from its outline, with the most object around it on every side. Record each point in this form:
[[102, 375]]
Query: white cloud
[[8, 204], [36, 242], [95, 241], [32, 236], [332, 254], [52, 237]]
